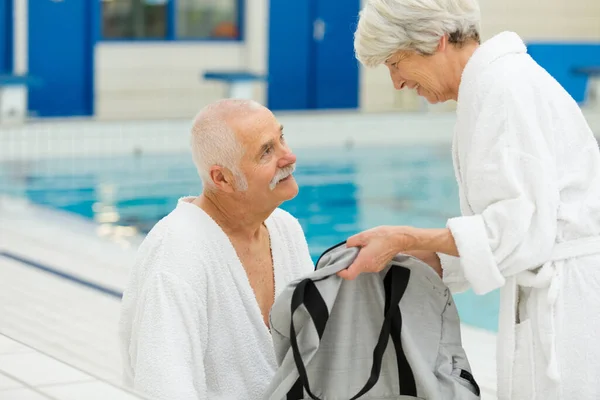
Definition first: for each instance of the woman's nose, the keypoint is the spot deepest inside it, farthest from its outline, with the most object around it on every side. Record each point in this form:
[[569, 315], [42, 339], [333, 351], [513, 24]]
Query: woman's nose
[[398, 83]]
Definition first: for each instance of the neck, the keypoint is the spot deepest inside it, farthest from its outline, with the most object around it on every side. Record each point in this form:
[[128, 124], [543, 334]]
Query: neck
[[462, 55], [235, 218]]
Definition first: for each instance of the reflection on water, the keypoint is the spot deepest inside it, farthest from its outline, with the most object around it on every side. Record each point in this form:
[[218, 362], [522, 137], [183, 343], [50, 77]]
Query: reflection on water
[[342, 191]]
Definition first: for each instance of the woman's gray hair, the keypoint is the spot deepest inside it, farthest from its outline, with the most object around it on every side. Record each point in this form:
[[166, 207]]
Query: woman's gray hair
[[214, 142], [387, 26]]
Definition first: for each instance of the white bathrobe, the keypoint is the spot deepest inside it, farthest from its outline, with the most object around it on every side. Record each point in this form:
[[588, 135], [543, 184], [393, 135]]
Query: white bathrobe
[[191, 327], [528, 169]]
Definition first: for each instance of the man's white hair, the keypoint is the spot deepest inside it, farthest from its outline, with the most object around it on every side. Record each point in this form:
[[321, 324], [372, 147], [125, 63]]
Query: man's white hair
[[214, 142], [387, 26]]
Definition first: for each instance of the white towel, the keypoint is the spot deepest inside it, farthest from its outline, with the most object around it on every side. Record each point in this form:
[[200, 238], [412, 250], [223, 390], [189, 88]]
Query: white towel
[[190, 326]]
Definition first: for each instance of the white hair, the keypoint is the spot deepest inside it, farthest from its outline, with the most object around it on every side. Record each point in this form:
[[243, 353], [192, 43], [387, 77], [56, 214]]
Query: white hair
[[387, 26], [214, 142]]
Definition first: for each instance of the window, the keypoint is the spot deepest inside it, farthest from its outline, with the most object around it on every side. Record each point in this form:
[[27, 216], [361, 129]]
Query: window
[[134, 19], [171, 19], [207, 18]]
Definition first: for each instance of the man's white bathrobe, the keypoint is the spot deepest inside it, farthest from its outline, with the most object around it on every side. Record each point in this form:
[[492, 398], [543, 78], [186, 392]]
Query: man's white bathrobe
[[528, 169], [191, 327]]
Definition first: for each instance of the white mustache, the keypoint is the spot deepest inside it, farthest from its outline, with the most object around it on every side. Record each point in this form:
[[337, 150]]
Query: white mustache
[[282, 174]]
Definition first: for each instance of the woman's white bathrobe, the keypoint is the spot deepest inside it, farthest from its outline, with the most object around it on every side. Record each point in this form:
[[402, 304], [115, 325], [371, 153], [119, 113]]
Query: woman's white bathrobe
[[191, 327], [528, 169]]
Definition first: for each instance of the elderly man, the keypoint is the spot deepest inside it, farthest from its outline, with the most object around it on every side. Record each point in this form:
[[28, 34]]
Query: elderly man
[[194, 322], [528, 169]]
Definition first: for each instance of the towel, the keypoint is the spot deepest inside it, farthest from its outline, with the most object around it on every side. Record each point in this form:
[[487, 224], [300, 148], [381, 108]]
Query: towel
[[190, 325]]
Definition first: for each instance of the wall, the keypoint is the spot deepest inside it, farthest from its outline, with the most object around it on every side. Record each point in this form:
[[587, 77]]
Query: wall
[[159, 79], [179, 96], [164, 80]]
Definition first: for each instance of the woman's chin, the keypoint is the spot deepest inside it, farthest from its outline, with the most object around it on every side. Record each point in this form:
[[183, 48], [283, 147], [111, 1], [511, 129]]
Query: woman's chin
[[424, 94], [431, 100]]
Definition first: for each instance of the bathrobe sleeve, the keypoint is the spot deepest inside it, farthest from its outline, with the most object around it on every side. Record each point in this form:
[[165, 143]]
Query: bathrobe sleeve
[[510, 186], [453, 275], [170, 328]]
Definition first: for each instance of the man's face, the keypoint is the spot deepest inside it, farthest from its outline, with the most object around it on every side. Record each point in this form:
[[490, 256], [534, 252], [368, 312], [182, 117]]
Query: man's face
[[268, 162]]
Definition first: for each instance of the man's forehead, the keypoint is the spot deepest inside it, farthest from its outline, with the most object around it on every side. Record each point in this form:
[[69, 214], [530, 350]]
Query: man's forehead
[[258, 131], [268, 132]]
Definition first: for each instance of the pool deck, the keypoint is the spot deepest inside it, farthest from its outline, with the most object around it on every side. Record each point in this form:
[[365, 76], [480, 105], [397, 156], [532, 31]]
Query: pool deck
[[60, 282], [29, 374]]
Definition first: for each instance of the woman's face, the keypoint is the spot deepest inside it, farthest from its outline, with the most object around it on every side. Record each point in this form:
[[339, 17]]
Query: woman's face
[[427, 74]]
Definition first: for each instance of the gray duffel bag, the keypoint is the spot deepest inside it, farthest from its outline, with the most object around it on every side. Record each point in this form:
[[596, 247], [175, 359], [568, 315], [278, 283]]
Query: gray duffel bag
[[337, 345]]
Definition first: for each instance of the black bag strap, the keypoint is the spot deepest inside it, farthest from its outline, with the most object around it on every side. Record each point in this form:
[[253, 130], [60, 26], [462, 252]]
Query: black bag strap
[[306, 293], [406, 378], [395, 283], [469, 377]]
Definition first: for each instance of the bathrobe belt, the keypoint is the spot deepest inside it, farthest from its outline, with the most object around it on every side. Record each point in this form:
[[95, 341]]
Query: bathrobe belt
[[546, 283]]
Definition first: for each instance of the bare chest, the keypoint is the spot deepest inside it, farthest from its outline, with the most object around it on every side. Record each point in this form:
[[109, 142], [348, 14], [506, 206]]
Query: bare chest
[[258, 264]]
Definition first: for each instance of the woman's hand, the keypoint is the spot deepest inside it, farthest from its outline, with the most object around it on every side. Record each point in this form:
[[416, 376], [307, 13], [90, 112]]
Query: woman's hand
[[377, 248], [379, 245]]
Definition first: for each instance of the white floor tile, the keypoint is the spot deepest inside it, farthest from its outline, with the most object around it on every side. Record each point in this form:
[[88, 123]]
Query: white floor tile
[[67, 321], [22, 394], [8, 383], [9, 346], [37, 369], [89, 391]]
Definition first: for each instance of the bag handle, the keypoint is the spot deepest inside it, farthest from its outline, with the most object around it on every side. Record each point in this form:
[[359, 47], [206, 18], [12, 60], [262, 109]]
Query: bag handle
[[307, 294]]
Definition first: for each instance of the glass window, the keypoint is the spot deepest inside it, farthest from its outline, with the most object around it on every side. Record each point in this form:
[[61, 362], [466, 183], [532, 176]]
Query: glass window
[[208, 19], [134, 19]]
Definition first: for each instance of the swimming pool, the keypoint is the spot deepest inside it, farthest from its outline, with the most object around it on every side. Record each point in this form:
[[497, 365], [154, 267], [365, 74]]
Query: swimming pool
[[343, 190]]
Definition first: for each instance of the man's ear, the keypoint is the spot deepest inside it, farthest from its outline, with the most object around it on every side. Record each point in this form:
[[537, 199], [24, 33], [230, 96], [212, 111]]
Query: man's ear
[[222, 179]]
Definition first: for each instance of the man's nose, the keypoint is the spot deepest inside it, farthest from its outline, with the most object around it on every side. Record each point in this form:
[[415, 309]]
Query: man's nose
[[288, 158]]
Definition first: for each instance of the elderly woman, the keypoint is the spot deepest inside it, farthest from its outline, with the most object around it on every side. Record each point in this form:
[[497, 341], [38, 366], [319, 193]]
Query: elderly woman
[[528, 169]]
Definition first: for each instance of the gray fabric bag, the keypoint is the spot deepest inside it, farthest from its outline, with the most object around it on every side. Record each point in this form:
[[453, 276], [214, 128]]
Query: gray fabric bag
[[337, 345]]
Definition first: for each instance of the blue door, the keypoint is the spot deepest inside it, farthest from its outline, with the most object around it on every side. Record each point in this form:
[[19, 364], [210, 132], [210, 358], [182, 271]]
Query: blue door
[[60, 34], [290, 33], [311, 55], [335, 82], [6, 36]]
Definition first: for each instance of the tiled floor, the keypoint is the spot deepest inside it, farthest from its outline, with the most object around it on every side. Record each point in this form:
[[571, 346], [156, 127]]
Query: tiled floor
[[59, 316], [28, 374]]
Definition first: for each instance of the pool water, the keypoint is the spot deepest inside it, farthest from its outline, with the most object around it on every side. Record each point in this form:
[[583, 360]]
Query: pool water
[[342, 191]]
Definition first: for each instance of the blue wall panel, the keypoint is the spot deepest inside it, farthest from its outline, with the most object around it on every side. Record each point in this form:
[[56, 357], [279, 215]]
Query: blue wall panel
[[290, 34], [561, 60], [6, 37], [336, 68], [305, 73], [61, 42]]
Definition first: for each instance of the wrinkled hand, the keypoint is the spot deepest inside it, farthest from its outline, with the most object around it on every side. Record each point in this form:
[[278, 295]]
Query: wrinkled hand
[[377, 248]]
